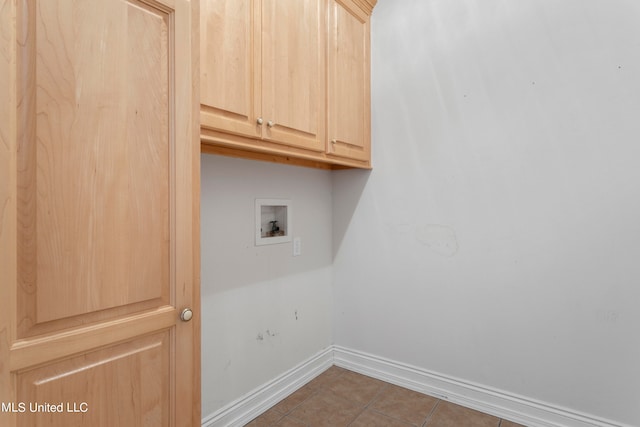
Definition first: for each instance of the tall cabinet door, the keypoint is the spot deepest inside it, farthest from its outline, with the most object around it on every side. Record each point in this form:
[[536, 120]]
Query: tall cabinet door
[[99, 201], [348, 94], [293, 72]]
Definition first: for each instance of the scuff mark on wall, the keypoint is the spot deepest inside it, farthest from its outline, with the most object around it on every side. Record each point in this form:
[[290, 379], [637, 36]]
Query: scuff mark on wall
[[262, 336], [439, 238], [610, 317]]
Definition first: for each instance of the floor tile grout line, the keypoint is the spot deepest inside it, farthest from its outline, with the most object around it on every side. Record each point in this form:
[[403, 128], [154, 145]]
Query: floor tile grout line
[[294, 407], [356, 417], [430, 414], [366, 407], [302, 402], [326, 385], [379, 412], [323, 387], [382, 389], [313, 393], [392, 417], [381, 392]]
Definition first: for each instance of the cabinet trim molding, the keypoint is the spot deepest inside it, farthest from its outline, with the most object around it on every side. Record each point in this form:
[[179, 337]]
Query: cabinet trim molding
[[366, 5]]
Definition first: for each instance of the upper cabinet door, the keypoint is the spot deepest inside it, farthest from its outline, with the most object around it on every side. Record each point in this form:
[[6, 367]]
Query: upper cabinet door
[[99, 193], [293, 72], [349, 103], [287, 80], [230, 64]]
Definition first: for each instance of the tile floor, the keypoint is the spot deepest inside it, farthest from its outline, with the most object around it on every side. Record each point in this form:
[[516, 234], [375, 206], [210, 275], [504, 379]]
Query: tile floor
[[340, 398]]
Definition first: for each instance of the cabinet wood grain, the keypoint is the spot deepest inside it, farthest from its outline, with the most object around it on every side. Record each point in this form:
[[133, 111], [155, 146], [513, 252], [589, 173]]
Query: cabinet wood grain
[[349, 111], [99, 199], [280, 76]]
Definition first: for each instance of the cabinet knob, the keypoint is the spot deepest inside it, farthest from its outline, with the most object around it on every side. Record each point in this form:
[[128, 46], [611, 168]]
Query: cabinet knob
[[260, 121], [186, 315], [334, 141], [270, 123]]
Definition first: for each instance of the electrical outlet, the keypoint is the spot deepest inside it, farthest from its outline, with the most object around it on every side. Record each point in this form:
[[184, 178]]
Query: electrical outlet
[[297, 246]]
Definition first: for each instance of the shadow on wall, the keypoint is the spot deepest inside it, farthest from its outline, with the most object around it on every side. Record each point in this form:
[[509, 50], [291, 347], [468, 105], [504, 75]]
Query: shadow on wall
[[348, 186]]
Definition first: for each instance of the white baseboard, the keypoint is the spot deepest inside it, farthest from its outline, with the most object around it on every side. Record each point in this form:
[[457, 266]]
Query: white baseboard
[[249, 406], [501, 404]]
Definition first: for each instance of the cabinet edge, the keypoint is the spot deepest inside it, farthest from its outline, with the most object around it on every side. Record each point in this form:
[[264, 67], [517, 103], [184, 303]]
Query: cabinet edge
[[366, 5], [292, 159]]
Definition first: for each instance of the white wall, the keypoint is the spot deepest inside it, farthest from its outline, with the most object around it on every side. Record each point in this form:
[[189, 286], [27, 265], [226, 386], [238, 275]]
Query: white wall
[[497, 238], [263, 310]]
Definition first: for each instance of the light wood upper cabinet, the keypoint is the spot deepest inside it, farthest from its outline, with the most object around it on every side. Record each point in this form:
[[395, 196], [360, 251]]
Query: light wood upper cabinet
[[348, 109], [293, 72], [263, 70], [229, 61], [287, 80]]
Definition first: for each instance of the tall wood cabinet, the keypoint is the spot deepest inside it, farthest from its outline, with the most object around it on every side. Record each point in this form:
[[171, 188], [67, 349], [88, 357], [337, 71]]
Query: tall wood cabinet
[[279, 76], [99, 213]]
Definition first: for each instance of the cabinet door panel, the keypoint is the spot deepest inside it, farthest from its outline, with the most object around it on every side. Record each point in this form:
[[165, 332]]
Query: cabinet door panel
[[124, 385], [293, 72], [98, 207], [229, 66], [99, 112], [349, 116]]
